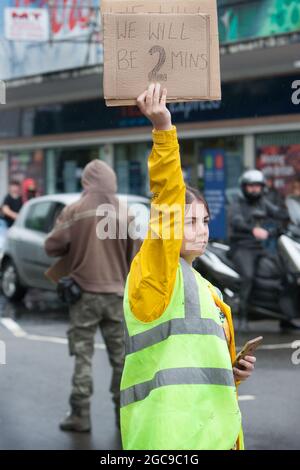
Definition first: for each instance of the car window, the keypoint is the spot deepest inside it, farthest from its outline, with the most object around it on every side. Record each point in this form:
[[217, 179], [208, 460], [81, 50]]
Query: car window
[[38, 216], [55, 213]]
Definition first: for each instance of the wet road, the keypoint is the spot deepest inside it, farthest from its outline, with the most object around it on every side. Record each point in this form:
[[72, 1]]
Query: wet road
[[35, 384]]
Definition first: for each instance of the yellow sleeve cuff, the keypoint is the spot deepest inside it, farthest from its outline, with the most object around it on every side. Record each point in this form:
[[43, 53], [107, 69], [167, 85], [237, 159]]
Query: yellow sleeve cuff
[[165, 137]]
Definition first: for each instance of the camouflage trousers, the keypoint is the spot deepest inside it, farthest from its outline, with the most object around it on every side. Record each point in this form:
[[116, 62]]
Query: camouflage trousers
[[91, 311]]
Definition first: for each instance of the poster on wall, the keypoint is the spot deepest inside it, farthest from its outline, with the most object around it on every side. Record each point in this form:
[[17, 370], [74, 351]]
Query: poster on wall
[[26, 24], [214, 191], [73, 38], [281, 164]]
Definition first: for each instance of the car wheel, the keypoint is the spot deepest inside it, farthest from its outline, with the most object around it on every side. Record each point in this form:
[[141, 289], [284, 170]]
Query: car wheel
[[10, 283]]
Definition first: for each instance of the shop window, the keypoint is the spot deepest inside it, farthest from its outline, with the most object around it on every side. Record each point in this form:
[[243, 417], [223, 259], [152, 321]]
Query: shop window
[[27, 167], [189, 161], [220, 164], [131, 168], [278, 156], [232, 149], [65, 167]]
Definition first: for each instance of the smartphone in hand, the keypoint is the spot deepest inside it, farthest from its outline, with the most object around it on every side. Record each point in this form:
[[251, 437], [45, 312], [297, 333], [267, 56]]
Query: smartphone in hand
[[247, 350]]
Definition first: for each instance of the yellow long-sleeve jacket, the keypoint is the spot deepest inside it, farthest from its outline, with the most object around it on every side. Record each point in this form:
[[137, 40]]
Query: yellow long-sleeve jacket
[[153, 271]]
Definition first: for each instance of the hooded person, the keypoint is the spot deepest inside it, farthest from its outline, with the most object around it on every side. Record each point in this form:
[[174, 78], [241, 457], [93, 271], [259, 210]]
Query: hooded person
[[91, 237]]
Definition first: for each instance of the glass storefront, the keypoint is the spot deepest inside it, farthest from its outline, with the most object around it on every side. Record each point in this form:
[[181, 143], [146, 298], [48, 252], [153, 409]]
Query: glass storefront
[[130, 163], [278, 156], [64, 168], [232, 149], [59, 170], [27, 167]]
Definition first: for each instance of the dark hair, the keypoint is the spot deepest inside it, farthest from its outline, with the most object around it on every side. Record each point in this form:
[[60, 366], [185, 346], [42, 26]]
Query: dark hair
[[14, 183], [192, 193]]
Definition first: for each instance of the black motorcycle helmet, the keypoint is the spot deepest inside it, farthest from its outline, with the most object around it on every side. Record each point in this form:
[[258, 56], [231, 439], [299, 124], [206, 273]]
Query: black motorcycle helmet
[[249, 178]]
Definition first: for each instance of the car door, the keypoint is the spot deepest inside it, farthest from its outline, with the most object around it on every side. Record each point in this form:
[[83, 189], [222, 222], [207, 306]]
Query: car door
[[32, 259]]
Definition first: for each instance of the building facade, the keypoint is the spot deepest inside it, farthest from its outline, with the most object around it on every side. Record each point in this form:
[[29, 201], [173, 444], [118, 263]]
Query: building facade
[[55, 122]]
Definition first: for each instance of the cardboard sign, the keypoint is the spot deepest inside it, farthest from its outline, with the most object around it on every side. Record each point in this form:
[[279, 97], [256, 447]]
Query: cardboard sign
[[178, 8], [170, 49]]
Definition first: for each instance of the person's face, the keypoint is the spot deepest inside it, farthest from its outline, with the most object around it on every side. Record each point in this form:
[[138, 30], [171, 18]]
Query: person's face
[[196, 230], [254, 188], [270, 183], [296, 188], [14, 190]]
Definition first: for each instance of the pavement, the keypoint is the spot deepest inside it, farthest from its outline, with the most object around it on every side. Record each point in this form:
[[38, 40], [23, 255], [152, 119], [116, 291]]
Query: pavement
[[35, 383]]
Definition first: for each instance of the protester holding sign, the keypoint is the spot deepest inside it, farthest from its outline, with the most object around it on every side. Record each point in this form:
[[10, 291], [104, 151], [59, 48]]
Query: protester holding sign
[[178, 388]]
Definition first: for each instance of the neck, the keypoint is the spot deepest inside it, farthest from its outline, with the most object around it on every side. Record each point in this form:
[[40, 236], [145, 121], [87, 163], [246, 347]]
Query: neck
[[188, 258]]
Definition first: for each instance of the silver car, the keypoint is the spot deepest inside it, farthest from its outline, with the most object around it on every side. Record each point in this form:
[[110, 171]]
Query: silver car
[[23, 260]]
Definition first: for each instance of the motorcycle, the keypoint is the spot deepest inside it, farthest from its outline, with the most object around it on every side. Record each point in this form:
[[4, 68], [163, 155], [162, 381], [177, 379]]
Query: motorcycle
[[217, 267]]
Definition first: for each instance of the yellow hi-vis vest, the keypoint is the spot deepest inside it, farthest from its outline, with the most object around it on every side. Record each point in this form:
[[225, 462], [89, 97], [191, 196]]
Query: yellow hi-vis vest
[[177, 388]]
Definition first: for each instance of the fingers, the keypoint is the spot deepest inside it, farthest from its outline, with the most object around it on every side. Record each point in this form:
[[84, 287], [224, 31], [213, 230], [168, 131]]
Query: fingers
[[241, 374], [163, 100], [153, 96], [141, 101], [247, 365], [152, 103], [251, 359], [149, 95], [156, 95]]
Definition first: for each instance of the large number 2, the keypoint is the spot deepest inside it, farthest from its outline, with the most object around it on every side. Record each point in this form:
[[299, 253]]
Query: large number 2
[[153, 74]]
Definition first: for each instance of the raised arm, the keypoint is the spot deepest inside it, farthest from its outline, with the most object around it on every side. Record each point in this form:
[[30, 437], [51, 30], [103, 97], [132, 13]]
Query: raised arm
[[153, 271]]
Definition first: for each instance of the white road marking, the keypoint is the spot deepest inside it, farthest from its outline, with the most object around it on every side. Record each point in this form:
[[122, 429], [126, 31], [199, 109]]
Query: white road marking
[[246, 397], [57, 340], [272, 346], [13, 327], [277, 346], [17, 331]]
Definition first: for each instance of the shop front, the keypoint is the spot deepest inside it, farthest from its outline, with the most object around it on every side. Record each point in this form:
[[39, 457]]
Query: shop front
[[256, 124]]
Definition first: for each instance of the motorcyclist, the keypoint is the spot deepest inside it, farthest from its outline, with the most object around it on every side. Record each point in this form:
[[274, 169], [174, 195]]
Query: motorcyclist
[[248, 236]]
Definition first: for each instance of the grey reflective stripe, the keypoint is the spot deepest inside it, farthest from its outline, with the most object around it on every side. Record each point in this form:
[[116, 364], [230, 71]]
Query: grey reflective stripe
[[176, 326], [177, 376], [191, 291], [191, 324]]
